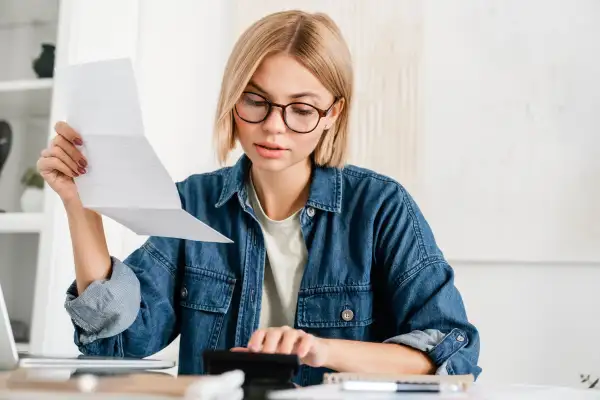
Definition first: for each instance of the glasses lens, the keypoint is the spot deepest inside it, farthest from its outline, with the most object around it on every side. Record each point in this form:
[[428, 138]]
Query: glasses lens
[[301, 117], [252, 107]]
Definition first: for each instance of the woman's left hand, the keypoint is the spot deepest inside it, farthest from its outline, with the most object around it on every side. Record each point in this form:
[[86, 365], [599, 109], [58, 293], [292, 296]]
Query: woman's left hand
[[311, 350]]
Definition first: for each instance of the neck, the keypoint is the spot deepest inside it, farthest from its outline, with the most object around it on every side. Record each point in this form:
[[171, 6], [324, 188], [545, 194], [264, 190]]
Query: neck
[[282, 193]]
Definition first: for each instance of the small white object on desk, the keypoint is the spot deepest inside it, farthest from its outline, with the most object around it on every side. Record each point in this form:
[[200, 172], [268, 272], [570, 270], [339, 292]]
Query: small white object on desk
[[87, 383], [227, 386]]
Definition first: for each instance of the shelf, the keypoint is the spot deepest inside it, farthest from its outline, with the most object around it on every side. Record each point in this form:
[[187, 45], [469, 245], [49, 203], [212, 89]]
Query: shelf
[[14, 222], [25, 98], [26, 84], [28, 12], [5, 25], [23, 347]]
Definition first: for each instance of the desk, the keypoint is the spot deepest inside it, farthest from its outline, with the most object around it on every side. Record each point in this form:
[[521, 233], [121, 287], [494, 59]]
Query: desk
[[30, 384], [477, 392], [13, 386]]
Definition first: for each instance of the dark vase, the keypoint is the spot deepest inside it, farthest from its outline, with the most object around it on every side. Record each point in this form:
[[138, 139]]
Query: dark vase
[[44, 64], [5, 144]]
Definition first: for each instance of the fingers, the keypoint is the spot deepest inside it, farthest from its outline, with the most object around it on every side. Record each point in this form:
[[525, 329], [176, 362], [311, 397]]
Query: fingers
[[288, 342], [257, 339], [304, 345], [284, 340], [54, 164], [71, 150], [59, 153], [64, 130], [62, 155], [271, 343]]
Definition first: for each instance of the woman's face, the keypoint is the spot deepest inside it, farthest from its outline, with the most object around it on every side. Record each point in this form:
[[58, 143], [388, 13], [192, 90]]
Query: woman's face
[[271, 145]]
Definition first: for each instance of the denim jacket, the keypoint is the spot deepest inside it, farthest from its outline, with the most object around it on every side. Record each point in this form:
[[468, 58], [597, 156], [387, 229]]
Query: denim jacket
[[374, 273]]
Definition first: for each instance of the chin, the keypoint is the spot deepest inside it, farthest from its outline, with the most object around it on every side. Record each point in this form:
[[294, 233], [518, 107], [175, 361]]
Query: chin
[[271, 165]]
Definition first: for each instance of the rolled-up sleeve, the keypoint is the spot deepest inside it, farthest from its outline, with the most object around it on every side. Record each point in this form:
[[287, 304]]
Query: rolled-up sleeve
[[431, 317], [437, 345], [106, 307], [429, 313]]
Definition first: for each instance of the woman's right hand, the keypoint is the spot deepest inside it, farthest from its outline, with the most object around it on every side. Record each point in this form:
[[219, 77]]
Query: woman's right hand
[[62, 161]]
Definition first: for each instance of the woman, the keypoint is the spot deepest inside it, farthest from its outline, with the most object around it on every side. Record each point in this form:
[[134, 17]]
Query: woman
[[333, 263]]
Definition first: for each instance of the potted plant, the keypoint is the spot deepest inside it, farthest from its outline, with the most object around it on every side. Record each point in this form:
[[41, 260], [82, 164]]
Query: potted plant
[[32, 199]]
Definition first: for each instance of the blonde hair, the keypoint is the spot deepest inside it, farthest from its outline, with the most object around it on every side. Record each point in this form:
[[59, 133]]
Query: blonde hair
[[316, 42]]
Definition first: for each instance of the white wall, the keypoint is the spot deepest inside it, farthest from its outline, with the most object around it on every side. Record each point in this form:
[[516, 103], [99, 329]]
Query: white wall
[[536, 320], [511, 99], [508, 177]]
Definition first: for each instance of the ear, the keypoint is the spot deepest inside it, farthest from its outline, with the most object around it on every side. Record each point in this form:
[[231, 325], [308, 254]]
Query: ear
[[335, 112]]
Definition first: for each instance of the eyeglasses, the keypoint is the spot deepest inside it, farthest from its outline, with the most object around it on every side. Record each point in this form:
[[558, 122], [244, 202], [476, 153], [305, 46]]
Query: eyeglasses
[[299, 117]]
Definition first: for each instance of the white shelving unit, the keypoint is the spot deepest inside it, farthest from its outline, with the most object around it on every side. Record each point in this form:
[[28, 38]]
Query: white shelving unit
[[25, 85], [19, 222], [25, 104], [25, 98]]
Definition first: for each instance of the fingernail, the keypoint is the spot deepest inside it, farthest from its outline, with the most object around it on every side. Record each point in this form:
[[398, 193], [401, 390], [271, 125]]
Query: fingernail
[[83, 163], [81, 171], [77, 141]]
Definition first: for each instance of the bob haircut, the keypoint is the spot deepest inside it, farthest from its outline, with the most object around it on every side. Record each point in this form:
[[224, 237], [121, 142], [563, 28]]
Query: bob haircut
[[316, 42]]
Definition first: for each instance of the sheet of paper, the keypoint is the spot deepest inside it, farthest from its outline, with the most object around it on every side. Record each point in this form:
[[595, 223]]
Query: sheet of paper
[[125, 179], [164, 222]]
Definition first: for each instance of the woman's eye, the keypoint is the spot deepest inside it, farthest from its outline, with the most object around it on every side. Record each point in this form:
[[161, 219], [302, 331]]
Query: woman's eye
[[256, 103], [254, 100], [303, 110]]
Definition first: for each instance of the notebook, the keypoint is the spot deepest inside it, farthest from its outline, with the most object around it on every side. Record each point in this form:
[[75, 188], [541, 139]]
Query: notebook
[[333, 386], [463, 381]]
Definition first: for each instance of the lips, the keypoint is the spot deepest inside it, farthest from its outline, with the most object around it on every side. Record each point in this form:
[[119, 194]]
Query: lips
[[270, 146]]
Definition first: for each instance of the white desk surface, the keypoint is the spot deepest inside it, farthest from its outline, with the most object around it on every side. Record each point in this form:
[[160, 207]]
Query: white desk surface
[[477, 392], [332, 392]]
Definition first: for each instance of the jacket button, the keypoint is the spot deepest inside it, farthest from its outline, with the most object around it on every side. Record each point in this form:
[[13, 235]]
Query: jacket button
[[460, 338], [347, 315], [183, 292], [311, 212]]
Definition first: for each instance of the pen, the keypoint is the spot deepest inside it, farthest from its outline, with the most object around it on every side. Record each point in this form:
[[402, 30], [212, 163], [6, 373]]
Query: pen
[[387, 386]]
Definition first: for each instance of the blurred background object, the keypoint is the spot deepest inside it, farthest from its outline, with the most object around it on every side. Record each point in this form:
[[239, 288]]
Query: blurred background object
[[44, 64], [5, 145]]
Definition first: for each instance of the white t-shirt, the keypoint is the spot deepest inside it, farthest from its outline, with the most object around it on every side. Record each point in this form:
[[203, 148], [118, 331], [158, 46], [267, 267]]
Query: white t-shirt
[[284, 265]]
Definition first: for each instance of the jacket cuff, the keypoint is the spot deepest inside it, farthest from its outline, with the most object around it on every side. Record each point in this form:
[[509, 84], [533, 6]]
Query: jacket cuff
[[107, 307], [437, 345]]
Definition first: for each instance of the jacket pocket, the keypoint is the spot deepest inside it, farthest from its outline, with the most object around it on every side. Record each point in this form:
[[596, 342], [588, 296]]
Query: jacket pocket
[[205, 298], [344, 312]]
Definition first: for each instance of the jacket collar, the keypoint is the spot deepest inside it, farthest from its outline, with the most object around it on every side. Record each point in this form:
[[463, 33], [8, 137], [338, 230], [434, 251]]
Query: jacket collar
[[325, 187]]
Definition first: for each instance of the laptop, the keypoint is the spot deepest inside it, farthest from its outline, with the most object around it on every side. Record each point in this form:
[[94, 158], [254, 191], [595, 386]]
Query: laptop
[[11, 359]]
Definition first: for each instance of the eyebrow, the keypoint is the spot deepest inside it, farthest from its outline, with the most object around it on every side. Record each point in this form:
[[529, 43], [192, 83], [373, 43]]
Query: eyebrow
[[292, 96]]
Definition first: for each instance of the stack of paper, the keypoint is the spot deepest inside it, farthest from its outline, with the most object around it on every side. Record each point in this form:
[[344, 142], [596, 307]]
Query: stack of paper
[[125, 179]]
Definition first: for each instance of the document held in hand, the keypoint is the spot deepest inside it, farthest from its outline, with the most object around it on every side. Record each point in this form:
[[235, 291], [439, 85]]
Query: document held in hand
[[125, 180]]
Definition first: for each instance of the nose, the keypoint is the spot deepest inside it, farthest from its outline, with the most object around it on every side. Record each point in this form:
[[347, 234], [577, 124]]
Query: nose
[[274, 122]]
